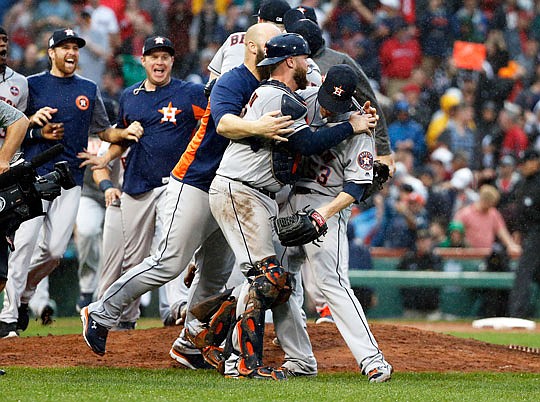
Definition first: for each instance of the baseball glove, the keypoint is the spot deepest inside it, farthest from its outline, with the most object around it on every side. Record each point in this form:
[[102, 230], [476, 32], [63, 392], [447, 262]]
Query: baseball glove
[[300, 228], [381, 174]]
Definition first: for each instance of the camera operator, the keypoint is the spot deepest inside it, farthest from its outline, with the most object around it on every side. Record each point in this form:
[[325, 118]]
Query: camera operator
[[15, 124]]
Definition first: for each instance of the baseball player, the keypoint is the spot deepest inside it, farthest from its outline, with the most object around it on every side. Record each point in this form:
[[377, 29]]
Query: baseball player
[[331, 182], [15, 123], [188, 223], [63, 116], [231, 52], [242, 199], [168, 110]]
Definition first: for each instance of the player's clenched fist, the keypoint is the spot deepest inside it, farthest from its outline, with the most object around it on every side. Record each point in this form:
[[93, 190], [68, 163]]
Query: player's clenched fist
[[362, 123], [42, 116], [133, 132]]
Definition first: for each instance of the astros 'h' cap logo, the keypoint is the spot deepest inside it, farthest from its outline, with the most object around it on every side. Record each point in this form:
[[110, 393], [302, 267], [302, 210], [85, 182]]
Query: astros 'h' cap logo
[[338, 91]]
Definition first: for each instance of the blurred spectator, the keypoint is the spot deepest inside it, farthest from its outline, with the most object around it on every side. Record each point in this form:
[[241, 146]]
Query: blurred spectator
[[529, 60], [406, 133], [401, 220], [421, 302], [135, 26], [441, 164], [111, 85], [364, 52], [435, 35], [180, 17], [157, 14], [347, 18], [93, 56], [19, 25], [439, 199], [458, 136], [33, 62], [491, 86], [488, 137], [203, 28], [104, 20], [437, 228], [455, 236], [53, 14], [439, 121], [386, 20], [506, 183], [202, 74], [530, 95], [235, 21], [470, 23], [515, 140], [484, 223], [461, 189], [399, 55], [512, 20]]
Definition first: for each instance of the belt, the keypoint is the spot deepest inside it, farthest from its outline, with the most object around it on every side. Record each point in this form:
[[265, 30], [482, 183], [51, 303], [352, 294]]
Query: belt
[[269, 194]]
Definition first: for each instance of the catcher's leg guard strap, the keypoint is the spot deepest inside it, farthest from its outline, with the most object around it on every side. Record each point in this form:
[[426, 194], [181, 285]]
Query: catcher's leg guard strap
[[216, 330], [270, 285]]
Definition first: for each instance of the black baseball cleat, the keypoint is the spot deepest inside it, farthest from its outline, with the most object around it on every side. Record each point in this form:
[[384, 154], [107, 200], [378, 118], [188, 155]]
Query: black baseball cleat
[[8, 330], [94, 334]]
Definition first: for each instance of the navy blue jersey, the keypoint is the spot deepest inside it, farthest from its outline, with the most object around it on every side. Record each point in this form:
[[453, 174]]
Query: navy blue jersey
[[230, 94], [80, 108], [169, 117]]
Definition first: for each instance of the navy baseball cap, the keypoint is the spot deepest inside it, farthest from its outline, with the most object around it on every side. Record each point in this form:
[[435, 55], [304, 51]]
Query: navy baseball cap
[[273, 10], [157, 42], [2, 31], [283, 46], [65, 35], [338, 88], [310, 32], [297, 14]]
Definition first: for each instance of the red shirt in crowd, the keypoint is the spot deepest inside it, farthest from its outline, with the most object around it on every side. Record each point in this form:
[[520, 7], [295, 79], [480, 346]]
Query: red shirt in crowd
[[398, 59]]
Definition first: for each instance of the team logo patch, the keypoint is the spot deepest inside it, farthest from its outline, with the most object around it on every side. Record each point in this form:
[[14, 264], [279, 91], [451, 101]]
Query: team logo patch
[[365, 160], [169, 113], [82, 102], [14, 91]]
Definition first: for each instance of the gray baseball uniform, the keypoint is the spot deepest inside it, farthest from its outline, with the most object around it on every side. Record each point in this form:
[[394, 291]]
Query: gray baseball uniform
[[243, 212], [13, 91], [322, 180]]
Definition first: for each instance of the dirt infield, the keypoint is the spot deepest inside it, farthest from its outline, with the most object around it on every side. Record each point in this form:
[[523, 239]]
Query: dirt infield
[[408, 348]]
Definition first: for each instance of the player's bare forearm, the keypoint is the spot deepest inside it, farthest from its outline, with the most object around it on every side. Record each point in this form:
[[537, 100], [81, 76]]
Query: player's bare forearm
[[14, 136], [117, 135], [269, 125], [342, 201]]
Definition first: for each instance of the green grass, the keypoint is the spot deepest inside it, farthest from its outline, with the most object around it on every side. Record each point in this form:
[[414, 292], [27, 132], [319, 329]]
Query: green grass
[[100, 384], [84, 384]]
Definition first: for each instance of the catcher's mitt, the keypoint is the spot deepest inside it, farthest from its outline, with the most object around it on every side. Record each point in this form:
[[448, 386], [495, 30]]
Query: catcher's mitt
[[300, 228], [381, 173]]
